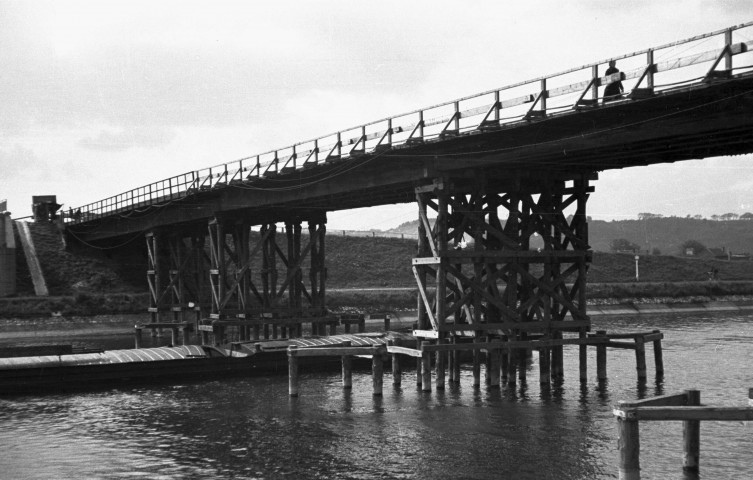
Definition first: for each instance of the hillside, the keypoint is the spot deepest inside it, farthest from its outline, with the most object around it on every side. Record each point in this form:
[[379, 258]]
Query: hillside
[[352, 262], [667, 234]]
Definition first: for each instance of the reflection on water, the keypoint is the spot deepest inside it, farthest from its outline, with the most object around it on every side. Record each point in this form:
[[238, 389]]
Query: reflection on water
[[250, 428]]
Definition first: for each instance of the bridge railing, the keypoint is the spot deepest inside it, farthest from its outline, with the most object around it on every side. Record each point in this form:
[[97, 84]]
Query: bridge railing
[[644, 73]]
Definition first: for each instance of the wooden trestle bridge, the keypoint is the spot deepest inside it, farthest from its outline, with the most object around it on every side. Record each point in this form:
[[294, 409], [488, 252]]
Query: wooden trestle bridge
[[499, 168]]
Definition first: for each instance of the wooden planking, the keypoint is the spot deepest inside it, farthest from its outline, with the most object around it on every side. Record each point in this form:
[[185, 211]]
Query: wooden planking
[[719, 414]]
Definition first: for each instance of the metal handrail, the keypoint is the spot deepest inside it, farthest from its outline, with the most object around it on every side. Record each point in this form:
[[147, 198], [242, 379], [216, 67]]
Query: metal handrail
[[454, 117]]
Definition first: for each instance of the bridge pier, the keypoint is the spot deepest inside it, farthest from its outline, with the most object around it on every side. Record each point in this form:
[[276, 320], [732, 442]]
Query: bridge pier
[[252, 292], [507, 259]]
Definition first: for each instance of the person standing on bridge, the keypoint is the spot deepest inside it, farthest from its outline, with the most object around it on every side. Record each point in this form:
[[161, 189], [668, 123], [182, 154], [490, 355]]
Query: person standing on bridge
[[614, 89]]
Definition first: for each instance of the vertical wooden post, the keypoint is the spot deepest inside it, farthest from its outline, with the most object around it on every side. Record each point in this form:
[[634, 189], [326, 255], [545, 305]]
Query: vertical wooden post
[[691, 436], [558, 362], [504, 365], [137, 337], [629, 444], [640, 357], [426, 370], [293, 370], [441, 242], [456, 362], [387, 323], [361, 324], [544, 372], [494, 353], [601, 356], [440, 365], [451, 363], [583, 356], [347, 373], [397, 379], [523, 360], [476, 368], [186, 335], [658, 357], [512, 366], [377, 371], [174, 336], [419, 370]]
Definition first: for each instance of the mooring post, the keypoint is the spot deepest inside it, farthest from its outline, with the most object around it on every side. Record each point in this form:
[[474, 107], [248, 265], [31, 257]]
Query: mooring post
[[347, 375], [601, 356], [456, 362], [425, 369], [440, 365], [362, 324], [377, 370], [629, 444], [658, 356], [137, 336], [387, 323], [174, 336], [691, 436], [293, 370], [397, 379], [186, 334], [583, 355], [640, 356]]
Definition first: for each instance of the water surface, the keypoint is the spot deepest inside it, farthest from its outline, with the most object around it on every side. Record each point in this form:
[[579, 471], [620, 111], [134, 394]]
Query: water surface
[[249, 427]]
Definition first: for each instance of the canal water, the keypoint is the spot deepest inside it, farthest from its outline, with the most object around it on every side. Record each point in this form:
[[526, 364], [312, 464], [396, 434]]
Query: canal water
[[248, 428]]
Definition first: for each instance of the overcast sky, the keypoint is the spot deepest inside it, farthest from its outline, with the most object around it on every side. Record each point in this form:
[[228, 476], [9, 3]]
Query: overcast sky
[[100, 97]]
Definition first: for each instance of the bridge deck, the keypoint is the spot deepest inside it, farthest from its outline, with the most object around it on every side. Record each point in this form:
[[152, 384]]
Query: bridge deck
[[383, 162]]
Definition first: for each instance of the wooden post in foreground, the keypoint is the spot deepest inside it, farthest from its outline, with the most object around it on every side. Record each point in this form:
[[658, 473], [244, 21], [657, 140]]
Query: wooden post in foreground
[[186, 335], [137, 337], [347, 374], [293, 370], [629, 445], [691, 436]]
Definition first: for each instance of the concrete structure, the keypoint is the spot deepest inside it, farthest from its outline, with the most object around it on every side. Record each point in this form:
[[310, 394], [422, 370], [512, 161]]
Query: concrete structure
[[7, 256]]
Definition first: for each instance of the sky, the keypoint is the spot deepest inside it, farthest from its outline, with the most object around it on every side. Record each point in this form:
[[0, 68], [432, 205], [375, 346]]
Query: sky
[[98, 97]]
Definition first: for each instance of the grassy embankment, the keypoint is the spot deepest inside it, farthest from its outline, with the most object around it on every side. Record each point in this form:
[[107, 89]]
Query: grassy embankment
[[90, 283]]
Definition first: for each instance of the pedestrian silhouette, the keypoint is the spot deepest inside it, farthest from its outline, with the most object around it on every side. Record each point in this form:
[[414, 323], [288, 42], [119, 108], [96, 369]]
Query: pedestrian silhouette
[[614, 89]]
